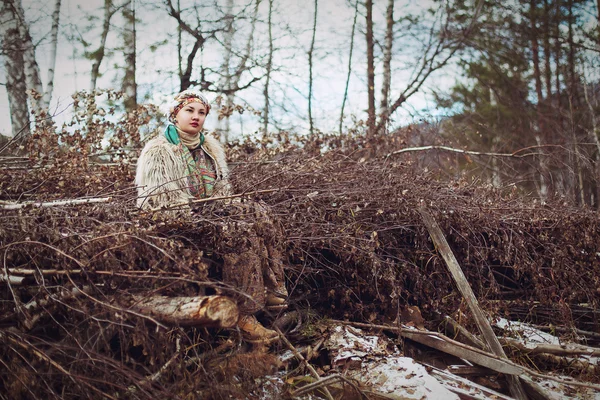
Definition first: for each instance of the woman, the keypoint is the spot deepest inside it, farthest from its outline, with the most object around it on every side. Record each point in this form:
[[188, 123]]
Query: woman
[[183, 164]]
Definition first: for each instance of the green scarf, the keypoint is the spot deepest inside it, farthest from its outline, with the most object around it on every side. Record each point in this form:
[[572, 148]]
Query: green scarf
[[201, 178]]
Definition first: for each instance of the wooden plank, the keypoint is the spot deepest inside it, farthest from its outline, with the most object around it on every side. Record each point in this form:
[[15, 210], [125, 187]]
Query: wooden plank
[[442, 246]]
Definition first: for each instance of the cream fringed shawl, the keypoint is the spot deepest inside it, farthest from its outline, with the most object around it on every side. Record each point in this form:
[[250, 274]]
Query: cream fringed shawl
[[161, 174]]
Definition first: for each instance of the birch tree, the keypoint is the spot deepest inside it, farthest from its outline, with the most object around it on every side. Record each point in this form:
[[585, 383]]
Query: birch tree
[[15, 71], [387, 56], [32, 70], [53, 47], [23, 71], [228, 35]]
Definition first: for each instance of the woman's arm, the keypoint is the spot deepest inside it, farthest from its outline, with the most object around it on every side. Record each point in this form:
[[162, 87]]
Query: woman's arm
[[160, 176]]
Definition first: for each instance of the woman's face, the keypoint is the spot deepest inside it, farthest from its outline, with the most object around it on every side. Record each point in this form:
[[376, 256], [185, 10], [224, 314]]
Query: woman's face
[[190, 118]]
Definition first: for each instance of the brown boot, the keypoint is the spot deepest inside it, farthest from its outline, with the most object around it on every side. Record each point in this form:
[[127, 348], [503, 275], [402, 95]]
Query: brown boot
[[275, 303], [254, 332], [277, 299]]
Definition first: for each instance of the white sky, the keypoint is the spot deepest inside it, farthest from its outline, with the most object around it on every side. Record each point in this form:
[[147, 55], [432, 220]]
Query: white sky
[[156, 71]]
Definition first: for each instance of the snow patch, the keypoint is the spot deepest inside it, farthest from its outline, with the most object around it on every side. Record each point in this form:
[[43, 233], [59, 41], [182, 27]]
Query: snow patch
[[376, 362], [527, 333]]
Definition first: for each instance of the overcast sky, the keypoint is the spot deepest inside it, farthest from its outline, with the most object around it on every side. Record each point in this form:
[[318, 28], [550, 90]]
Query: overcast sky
[[156, 71]]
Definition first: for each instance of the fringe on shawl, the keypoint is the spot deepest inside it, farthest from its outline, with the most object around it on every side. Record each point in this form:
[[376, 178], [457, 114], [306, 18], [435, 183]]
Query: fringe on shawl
[[161, 178]]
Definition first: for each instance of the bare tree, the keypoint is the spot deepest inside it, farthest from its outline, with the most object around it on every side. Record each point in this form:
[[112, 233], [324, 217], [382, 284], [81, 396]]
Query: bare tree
[[349, 64], [370, 69], [200, 38], [32, 70], [310, 68], [53, 46], [129, 46], [233, 74], [268, 68], [22, 67], [97, 56], [228, 35], [438, 51], [387, 56], [15, 71]]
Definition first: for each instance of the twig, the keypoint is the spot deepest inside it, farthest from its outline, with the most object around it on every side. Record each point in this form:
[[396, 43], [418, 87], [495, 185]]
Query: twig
[[578, 332], [44, 272], [470, 152], [44, 357], [467, 336], [209, 199], [155, 376], [300, 357], [82, 266], [323, 383]]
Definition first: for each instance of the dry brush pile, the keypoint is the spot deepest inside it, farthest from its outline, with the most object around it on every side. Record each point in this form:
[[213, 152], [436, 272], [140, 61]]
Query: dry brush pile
[[356, 248]]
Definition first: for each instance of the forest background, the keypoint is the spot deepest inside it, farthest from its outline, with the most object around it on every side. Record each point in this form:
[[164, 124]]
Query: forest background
[[515, 80]]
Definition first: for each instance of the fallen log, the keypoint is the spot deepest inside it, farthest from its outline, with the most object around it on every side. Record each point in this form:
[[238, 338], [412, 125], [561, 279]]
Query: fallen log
[[210, 311]]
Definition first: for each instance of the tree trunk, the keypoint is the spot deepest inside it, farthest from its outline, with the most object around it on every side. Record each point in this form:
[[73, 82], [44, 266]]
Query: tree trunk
[[431, 61], [547, 54], [370, 70], [179, 44], [233, 82], [310, 69], [208, 311], [574, 105], [98, 55], [387, 57], [572, 82], [32, 70], [536, 62], [269, 66], [557, 55], [228, 34], [540, 136], [129, 45], [15, 72], [185, 77], [349, 65], [53, 46]]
